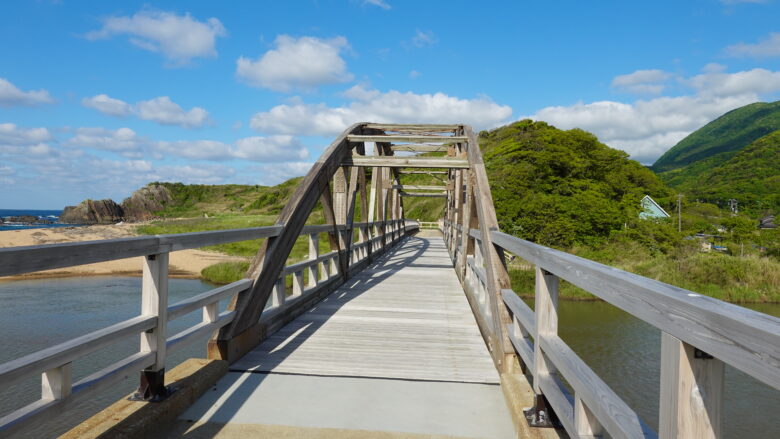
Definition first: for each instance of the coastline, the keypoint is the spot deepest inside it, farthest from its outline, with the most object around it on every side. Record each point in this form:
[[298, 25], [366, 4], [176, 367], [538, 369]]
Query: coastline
[[183, 264]]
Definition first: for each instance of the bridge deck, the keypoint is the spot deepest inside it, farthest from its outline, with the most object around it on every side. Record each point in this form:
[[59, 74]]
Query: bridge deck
[[395, 350]]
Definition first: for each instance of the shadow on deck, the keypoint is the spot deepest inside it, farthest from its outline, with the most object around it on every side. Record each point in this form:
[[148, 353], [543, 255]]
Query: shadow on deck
[[393, 352]]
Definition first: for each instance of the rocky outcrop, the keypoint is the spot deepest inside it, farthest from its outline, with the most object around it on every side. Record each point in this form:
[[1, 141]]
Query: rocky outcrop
[[93, 212], [144, 203], [24, 219]]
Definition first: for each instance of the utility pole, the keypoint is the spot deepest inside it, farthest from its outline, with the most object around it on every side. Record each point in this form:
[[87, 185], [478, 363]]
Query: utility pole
[[679, 213]]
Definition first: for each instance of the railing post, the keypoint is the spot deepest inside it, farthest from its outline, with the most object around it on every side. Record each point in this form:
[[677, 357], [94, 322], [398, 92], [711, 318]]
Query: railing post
[[585, 421], [154, 302], [546, 311], [297, 285], [278, 294], [211, 312], [57, 383], [314, 253], [691, 391]]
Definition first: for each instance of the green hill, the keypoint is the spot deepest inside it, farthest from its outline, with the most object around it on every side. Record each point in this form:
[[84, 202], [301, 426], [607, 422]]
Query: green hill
[[188, 200], [718, 141], [751, 176], [734, 156], [559, 187]]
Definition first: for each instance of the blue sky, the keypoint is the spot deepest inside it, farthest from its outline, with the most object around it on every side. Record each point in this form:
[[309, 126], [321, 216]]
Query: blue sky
[[99, 98]]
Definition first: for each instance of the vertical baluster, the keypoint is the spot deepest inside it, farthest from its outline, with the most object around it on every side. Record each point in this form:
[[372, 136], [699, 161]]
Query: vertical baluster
[[585, 421], [362, 237], [314, 253], [154, 302], [297, 286], [691, 391], [277, 297], [57, 383], [334, 265], [210, 312], [546, 310]]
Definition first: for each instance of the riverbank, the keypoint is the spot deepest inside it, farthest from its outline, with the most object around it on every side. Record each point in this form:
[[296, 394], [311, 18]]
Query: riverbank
[[183, 264]]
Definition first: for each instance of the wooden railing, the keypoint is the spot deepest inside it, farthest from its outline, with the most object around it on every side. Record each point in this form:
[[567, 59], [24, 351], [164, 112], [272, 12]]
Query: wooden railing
[[54, 364], [699, 335], [433, 225]]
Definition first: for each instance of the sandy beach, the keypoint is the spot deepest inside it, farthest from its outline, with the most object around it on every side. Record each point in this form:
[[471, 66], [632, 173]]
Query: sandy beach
[[184, 263]]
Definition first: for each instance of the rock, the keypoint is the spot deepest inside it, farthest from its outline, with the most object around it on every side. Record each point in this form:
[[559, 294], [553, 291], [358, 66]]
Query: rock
[[26, 219], [144, 203], [93, 212]]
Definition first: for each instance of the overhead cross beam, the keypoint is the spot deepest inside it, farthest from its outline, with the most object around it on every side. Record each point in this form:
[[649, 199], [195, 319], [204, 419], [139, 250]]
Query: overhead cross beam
[[406, 162], [400, 138]]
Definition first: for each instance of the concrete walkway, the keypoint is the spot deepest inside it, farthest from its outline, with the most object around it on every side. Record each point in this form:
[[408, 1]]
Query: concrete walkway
[[395, 352]]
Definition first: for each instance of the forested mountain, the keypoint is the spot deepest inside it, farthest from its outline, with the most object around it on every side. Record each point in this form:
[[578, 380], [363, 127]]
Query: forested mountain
[[718, 141], [752, 177], [734, 156]]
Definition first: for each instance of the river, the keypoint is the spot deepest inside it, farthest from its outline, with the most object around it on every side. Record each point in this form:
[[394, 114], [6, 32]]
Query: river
[[623, 350]]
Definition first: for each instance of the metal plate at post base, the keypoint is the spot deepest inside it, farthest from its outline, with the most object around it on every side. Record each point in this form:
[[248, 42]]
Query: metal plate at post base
[[152, 387], [158, 397], [541, 415]]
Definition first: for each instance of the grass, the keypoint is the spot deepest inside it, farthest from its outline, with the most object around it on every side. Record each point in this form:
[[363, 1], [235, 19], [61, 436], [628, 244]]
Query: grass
[[225, 272], [751, 278], [188, 225]]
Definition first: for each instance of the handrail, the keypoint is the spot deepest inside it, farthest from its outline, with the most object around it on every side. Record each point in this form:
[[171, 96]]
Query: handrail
[[28, 259], [745, 339], [54, 363]]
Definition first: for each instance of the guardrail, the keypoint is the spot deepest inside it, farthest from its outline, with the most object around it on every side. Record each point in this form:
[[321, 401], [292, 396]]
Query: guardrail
[[54, 364], [433, 225], [699, 335]]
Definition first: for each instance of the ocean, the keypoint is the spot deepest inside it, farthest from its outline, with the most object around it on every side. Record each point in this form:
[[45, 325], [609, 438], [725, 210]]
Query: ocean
[[48, 215]]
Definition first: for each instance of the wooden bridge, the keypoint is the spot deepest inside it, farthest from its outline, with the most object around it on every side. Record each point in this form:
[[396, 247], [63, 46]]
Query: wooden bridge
[[396, 331]]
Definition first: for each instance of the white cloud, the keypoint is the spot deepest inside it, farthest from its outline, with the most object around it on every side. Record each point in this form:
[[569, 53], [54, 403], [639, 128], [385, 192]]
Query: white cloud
[[10, 96], [10, 134], [160, 109], [647, 128], [719, 83], [375, 106], [180, 38], [642, 81], [196, 149], [414, 74], [127, 143], [270, 149], [196, 174], [424, 38], [257, 149], [107, 105], [769, 47], [380, 3], [278, 172], [163, 110], [123, 141], [297, 63]]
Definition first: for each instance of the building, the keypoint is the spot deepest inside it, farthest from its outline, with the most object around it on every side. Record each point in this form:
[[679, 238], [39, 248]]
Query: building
[[651, 209], [767, 222]]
